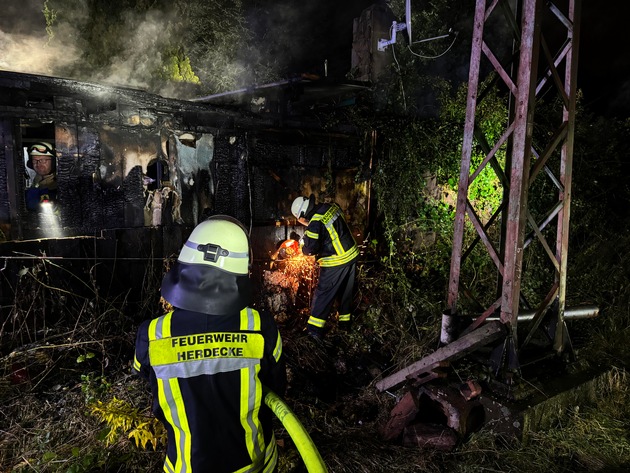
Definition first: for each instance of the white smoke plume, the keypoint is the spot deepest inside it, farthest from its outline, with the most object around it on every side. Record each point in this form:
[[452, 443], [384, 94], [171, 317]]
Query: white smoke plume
[[277, 40], [134, 67], [33, 54], [25, 45]]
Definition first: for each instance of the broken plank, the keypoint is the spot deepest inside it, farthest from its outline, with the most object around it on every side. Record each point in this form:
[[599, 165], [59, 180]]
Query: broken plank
[[429, 373], [453, 351]]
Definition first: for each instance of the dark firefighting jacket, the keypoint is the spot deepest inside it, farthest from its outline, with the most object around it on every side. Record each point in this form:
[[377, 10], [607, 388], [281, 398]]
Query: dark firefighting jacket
[[207, 374], [328, 236]]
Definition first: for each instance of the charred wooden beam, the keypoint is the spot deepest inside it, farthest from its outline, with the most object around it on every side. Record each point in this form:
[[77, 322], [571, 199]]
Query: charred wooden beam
[[436, 370]]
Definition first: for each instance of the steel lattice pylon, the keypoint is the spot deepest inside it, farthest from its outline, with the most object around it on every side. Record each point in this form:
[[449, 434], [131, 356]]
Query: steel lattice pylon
[[533, 70]]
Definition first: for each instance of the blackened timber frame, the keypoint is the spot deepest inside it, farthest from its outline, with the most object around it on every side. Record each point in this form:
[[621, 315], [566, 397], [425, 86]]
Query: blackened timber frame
[[10, 205]]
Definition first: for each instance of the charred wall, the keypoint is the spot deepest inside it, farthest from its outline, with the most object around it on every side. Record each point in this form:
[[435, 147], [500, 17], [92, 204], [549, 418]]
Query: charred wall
[[136, 172], [5, 216], [283, 168]]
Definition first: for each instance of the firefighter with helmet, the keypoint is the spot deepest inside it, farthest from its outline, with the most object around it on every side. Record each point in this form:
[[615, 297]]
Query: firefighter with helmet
[[329, 239], [208, 360], [42, 160]]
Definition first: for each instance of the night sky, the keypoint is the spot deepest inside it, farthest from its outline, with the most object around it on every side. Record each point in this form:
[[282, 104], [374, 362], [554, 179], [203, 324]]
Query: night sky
[[604, 50], [604, 66], [315, 31]]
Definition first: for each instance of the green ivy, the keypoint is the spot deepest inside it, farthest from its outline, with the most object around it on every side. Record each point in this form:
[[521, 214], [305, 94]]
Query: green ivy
[[176, 67]]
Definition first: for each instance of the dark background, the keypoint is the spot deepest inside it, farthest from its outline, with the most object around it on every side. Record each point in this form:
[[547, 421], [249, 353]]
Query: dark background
[[312, 31], [604, 51], [604, 59]]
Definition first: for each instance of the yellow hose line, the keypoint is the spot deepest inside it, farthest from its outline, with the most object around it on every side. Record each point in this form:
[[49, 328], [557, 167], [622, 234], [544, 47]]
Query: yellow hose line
[[308, 451]]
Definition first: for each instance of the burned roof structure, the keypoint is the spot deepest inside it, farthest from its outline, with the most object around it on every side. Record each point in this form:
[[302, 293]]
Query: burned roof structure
[[291, 97]]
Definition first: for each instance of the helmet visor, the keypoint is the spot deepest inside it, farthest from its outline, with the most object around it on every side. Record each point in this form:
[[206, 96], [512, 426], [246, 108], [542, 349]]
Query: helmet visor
[[42, 149]]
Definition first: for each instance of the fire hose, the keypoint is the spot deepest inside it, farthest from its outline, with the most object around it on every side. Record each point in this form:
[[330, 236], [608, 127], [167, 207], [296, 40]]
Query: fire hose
[[307, 449]]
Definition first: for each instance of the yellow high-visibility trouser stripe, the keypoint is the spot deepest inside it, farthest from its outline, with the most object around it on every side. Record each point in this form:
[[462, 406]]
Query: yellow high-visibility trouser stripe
[[316, 322], [277, 351]]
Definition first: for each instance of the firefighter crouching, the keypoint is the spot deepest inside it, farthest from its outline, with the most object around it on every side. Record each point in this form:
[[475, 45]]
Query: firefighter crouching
[[208, 360], [329, 238]]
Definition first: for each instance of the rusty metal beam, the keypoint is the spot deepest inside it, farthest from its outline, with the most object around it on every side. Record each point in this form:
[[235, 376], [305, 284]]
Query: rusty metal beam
[[519, 170], [467, 147], [566, 166]]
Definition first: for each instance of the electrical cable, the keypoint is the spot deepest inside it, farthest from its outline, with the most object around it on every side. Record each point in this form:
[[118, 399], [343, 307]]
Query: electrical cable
[[432, 57], [398, 68]]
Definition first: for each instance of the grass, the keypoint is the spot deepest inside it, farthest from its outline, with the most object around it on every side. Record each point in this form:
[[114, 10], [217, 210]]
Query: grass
[[588, 438], [52, 373]]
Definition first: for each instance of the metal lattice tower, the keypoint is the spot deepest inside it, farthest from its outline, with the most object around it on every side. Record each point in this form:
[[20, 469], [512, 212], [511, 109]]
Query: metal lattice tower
[[546, 35]]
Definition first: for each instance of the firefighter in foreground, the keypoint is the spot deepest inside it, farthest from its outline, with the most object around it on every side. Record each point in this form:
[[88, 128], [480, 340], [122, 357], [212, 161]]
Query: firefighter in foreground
[[329, 239], [208, 360]]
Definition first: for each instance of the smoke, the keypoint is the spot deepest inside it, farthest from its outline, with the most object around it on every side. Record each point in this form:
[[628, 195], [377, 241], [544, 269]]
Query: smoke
[[25, 45], [33, 54], [137, 63], [272, 40], [22, 17]]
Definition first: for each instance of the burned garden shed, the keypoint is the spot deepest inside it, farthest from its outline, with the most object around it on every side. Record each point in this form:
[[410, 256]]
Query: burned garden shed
[[137, 171]]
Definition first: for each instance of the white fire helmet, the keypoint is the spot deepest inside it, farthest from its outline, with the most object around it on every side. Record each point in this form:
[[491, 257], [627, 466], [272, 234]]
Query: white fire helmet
[[299, 206], [220, 242], [41, 149]]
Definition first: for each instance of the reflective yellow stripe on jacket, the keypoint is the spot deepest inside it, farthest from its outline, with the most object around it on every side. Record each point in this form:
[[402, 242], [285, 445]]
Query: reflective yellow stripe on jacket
[[170, 399], [342, 256]]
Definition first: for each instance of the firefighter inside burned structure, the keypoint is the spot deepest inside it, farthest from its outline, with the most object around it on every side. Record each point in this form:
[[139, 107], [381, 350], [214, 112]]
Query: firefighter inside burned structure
[[42, 160], [329, 239], [209, 360]]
